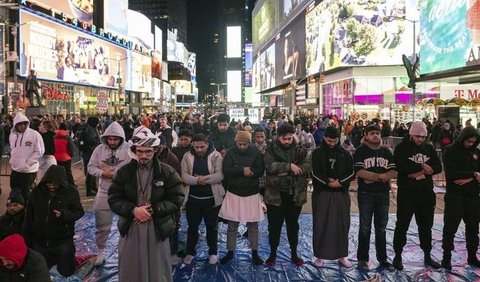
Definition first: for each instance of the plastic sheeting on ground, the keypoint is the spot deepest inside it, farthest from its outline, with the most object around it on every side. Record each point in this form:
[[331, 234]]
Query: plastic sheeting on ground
[[241, 269]]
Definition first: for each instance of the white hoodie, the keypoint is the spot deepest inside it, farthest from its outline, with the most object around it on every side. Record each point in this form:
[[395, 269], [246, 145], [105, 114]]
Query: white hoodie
[[27, 148]]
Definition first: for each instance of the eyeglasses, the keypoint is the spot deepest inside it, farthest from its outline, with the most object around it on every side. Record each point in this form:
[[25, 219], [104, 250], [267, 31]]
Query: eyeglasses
[[146, 153]]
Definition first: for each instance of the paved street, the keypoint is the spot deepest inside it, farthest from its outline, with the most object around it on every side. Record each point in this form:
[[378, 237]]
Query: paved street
[[88, 201]]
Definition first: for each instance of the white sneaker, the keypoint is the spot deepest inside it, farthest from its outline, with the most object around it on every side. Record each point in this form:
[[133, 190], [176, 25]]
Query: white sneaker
[[212, 259], [174, 259], [100, 258], [188, 259]]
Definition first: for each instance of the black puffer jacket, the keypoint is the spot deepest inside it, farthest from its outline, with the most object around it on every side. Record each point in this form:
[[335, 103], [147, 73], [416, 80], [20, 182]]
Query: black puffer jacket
[[41, 224], [234, 162], [222, 140], [462, 163], [166, 197]]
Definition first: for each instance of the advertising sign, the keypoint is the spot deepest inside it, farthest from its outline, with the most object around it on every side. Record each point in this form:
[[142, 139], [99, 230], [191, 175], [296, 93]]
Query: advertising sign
[[175, 49], [156, 64], [248, 65], [192, 67], [80, 9], [139, 28], [2, 60], [102, 101], [290, 52], [181, 86], [234, 41], [353, 33], [450, 32], [164, 71], [265, 20], [59, 53], [139, 68], [115, 16], [159, 41], [266, 68]]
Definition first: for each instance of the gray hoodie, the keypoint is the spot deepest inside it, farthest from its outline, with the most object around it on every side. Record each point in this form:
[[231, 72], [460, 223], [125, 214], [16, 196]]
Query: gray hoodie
[[27, 148], [104, 157]]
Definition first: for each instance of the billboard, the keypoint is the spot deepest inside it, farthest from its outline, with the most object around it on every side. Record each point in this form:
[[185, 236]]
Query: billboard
[[192, 67], [156, 64], [248, 65], [450, 32], [234, 86], [266, 69], [353, 33], [234, 41], [181, 86], [175, 49], [265, 20], [158, 41], [290, 52], [139, 69], [80, 9], [115, 16], [2, 60], [139, 28], [60, 53]]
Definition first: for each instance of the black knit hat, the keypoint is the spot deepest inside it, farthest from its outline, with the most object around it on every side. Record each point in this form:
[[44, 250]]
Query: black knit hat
[[15, 197], [331, 132], [372, 127], [285, 129]]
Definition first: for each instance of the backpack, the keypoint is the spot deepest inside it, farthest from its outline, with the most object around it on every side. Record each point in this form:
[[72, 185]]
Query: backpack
[[81, 139]]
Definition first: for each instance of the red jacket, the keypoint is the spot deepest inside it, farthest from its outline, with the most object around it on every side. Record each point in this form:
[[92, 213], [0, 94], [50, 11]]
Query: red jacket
[[64, 146]]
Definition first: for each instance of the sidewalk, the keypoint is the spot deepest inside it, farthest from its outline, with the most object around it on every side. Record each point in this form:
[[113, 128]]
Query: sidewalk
[[87, 202]]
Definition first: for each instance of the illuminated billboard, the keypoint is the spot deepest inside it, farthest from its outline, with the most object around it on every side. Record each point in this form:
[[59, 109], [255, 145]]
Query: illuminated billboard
[[175, 50], [181, 86], [290, 52], [234, 41], [156, 64], [248, 65], [115, 16], [60, 53], [139, 68], [265, 20], [450, 34], [140, 28], [159, 41], [265, 69], [234, 86], [353, 33], [80, 9]]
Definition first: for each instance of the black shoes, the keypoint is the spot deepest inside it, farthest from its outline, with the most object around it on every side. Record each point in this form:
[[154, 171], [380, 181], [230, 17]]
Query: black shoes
[[387, 265], [256, 258], [228, 257], [474, 262], [363, 265], [397, 263], [430, 262]]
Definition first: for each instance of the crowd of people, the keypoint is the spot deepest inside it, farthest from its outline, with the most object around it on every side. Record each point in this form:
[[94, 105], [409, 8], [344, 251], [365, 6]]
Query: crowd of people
[[148, 168]]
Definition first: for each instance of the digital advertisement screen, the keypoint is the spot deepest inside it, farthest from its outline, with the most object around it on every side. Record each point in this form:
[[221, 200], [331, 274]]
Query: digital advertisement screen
[[139, 69], [81, 9], [57, 52], [159, 40], [290, 52], [175, 49], [181, 86], [267, 68], [192, 66], [348, 33], [265, 20], [139, 28], [234, 41], [290, 6], [234, 86], [156, 64], [115, 16], [450, 34], [248, 65]]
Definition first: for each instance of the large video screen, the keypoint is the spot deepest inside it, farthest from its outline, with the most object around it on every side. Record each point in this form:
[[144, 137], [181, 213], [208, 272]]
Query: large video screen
[[248, 65], [290, 52], [234, 86], [57, 52], [140, 28], [265, 20], [234, 41], [156, 64], [267, 68], [81, 9], [450, 32], [139, 72], [348, 33], [115, 16]]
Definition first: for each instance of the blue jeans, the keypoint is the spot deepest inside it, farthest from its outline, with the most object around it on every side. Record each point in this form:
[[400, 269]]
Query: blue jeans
[[372, 205]]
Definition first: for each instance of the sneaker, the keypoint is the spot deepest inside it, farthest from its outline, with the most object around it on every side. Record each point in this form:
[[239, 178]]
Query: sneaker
[[319, 262], [397, 263], [188, 259], [387, 265], [345, 262], [363, 265], [100, 258], [212, 259]]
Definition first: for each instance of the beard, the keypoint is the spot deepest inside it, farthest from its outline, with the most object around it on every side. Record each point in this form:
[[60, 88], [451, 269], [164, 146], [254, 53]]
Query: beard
[[287, 146]]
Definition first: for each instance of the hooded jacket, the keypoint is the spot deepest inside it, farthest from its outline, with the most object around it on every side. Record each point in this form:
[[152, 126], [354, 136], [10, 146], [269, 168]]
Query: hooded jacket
[[342, 166], [233, 164], [408, 159], [27, 148], [370, 159], [277, 160], [41, 224], [222, 140], [104, 157], [10, 224], [214, 161], [169, 158], [64, 147], [462, 163], [166, 198], [29, 264]]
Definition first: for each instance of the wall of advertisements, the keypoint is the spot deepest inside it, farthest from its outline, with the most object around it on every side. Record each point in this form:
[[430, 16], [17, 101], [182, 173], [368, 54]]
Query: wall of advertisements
[[115, 16], [139, 29], [248, 65], [156, 64], [80, 9], [450, 34], [353, 33], [139, 68], [57, 52]]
